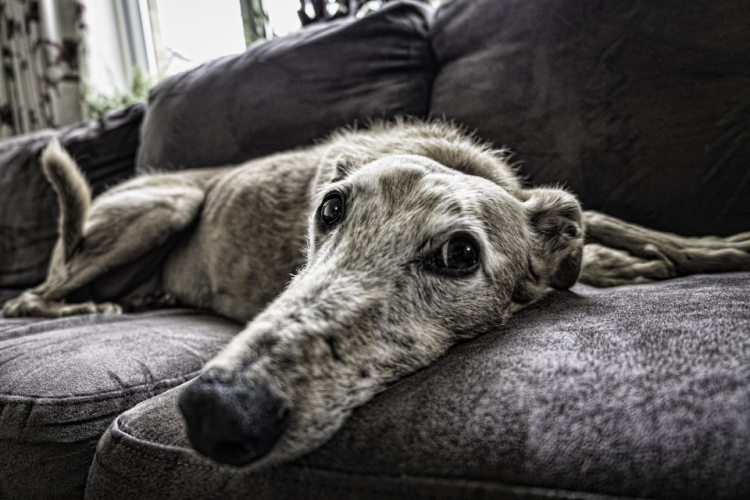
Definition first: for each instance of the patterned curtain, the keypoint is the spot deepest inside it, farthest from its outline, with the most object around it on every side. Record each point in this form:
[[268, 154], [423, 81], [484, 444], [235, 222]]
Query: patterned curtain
[[34, 66]]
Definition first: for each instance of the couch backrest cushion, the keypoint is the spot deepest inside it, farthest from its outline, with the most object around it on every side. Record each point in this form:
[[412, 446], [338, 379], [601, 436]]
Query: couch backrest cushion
[[641, 108], [287, 92]]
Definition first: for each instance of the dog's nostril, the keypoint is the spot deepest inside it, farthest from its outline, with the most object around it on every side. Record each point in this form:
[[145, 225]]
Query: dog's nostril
[[233, 423]]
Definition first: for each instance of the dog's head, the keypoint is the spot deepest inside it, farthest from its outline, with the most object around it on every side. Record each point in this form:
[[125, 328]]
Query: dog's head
[[405, 258]]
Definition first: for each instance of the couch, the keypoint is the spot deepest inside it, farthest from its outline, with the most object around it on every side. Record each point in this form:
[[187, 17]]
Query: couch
[[640, 108]]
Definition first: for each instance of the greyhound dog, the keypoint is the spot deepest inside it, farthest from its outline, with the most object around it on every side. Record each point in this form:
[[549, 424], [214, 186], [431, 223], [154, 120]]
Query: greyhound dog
[[399, 240]]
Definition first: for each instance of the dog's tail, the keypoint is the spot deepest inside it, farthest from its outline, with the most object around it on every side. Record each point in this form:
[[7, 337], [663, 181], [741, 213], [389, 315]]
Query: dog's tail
[[73, 194]]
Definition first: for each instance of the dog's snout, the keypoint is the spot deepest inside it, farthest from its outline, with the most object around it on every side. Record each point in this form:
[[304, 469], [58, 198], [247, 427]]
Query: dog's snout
[[232, 422]]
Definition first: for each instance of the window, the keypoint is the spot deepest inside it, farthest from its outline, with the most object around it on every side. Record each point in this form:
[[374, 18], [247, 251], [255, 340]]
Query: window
[[129, 39]]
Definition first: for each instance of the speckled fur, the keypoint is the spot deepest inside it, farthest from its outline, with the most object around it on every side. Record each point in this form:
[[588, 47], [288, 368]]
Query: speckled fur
[[337, 314]]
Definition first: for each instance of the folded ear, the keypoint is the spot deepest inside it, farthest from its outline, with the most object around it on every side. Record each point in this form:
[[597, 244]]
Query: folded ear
[[556, 217], [333, 169], [345, 165]]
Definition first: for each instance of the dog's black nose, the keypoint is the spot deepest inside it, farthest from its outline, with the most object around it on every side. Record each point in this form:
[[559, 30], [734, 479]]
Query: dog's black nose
[[232, 422]]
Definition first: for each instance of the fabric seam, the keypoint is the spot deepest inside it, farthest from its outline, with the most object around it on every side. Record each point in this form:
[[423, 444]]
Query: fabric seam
[[109, 395]]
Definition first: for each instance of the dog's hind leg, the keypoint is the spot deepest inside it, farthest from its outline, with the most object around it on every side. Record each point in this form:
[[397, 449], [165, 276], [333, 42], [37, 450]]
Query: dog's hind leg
[[619, 253], [121, 225]]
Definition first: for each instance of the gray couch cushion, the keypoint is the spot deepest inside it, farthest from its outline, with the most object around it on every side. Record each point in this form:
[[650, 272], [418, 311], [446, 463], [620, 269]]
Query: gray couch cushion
[[631, 391], [641, 108], [287, 92], [104, 149], [63, 381]]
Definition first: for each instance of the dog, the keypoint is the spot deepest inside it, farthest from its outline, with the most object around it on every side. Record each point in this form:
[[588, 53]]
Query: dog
[[400, 241]]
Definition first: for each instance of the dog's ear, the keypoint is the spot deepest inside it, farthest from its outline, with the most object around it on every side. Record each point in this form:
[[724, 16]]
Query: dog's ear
[[556, 218], [345, 165], [333, 170]]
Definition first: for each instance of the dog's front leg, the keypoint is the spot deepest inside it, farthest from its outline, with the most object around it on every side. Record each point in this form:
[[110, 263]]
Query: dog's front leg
[[619, 253]]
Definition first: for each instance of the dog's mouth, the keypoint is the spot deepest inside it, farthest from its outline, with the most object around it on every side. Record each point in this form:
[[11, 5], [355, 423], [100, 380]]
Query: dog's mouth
[[233, 422]]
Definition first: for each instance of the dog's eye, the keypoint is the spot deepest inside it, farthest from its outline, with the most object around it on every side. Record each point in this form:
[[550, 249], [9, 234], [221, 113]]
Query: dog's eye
[[459, 254], [332, 209]]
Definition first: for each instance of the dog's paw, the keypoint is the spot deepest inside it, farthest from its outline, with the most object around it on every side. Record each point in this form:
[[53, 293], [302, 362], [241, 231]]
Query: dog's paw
[[26, 305], [13, 308], [741, 239], [712, 254], [151, 301], [29, 304], [605, 267], [108, 308], [61, 309]]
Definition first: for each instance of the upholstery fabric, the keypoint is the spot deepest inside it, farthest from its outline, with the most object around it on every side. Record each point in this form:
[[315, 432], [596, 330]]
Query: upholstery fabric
[[104, 149], [631, 391], [640, 108], [63, 381], [288, 92]]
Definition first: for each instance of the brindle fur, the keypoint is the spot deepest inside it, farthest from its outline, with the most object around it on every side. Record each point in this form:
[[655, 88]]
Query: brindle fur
[[361, 309]]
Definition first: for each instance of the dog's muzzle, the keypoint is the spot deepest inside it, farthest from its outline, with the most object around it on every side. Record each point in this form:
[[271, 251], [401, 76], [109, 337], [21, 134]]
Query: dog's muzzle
[[232, 422]]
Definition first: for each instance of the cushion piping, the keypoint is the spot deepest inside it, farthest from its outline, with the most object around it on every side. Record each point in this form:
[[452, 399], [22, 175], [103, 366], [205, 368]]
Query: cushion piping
[[135, 445]]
